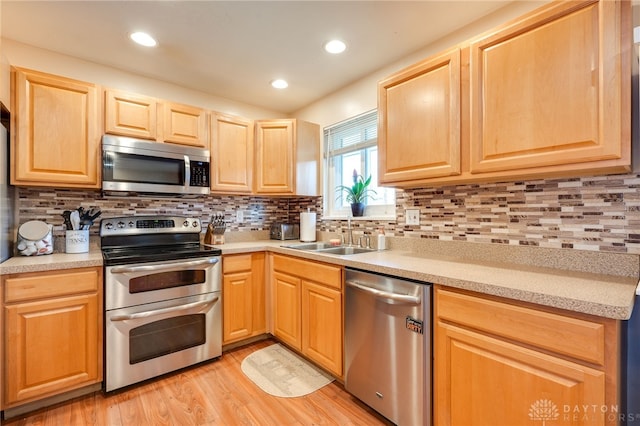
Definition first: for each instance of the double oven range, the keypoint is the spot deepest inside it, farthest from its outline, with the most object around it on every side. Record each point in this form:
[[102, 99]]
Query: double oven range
[[163, 300]]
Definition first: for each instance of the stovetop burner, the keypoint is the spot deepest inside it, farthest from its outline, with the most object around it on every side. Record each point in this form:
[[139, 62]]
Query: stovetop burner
[[139, 239]]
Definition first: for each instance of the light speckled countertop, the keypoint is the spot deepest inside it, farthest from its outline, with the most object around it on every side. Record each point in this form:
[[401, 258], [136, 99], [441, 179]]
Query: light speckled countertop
[[604, 295]]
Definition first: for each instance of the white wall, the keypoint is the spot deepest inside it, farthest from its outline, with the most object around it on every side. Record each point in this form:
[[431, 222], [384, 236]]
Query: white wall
[[362, 95], [26, 56]]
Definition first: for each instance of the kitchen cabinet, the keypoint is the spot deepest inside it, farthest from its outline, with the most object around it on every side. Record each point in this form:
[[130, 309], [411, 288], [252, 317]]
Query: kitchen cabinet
[[419, 120], [55, 138], [138, 116], [494, 357], [184, 125], [287, 156], [232, 143], [53, 332], [244, 309], [129, 114], [551, 91], [307, 311], [545, 95]]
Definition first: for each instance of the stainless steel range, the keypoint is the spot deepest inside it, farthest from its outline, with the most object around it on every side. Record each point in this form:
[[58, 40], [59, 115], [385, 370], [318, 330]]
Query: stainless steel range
[[163, 300]]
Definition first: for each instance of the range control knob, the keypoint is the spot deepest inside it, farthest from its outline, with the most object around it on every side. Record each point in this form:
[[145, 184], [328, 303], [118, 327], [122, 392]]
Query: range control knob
[[185, 223], [108, 225], [121, 225], [195, 223], [131, 224]]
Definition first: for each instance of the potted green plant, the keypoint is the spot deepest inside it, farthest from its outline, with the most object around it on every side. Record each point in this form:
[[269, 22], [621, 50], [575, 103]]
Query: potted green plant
[[357, 193]]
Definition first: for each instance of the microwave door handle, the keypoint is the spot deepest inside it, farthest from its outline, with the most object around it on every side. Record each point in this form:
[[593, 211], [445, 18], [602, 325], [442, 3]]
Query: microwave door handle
[[165, 267], [189, 306], [187, 172]]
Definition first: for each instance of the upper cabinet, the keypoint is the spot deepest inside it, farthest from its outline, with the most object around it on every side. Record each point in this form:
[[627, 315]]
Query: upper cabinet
[[419, 120], [184, 125], [56, 137], [545, 95], [231, 154], [128, 114], [287, 157], [138, 116], [551, 91]]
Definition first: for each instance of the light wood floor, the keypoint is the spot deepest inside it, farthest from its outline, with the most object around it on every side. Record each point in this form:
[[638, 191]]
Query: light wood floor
[[214, 393]]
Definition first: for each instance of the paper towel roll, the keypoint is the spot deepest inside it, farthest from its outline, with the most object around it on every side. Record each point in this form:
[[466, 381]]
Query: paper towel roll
[[308, 226]]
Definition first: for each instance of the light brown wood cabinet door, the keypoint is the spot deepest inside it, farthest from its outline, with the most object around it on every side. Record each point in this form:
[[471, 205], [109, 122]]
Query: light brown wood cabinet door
[[53, 345], [286, 309], [275, 148], [322, 325], [551, 89], [231, 154], [128, 114], [184, 125], [419, 120], [56, 137], [244, 310], [480, 380], [237, 318]]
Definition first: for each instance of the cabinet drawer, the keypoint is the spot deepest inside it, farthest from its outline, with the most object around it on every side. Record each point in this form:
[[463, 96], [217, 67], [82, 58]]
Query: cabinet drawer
[[319, 272], [50, 284], [236, 263], [573, 337]]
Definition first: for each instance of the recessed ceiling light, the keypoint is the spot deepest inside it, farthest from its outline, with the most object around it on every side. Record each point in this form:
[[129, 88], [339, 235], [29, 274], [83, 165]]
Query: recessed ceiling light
[[143, 39], [335, 46], [280, 84]]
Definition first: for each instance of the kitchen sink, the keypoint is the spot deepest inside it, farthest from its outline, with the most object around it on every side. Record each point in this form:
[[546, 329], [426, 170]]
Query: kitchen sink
[[343, 250], [309, 246], [327, 248]]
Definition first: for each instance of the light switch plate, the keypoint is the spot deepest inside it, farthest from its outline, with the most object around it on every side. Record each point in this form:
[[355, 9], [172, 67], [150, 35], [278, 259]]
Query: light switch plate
[[412, 216], [239, 216]]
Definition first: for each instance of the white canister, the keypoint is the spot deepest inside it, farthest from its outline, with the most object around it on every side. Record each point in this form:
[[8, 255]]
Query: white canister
[[35, 238], [77, 241], [308, 226]]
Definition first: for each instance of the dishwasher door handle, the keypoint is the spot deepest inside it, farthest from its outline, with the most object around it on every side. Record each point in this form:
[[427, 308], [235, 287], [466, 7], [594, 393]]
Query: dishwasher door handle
[[385, 294]]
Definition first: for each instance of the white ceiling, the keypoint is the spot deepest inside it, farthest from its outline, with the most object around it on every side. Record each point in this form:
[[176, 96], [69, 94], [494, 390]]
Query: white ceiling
[[233, 49]]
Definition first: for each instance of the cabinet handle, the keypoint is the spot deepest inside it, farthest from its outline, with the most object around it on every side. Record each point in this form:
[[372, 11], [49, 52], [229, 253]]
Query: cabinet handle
[[385, 294]]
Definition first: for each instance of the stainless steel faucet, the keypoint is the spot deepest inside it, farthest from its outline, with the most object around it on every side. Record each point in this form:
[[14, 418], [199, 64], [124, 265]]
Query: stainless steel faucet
[[349, 241]]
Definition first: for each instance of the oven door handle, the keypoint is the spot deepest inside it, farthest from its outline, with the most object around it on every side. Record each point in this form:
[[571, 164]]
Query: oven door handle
[[165, 267], [147, 314]]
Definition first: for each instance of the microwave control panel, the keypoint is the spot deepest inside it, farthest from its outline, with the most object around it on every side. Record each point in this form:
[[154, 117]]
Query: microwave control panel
[[199, 173]]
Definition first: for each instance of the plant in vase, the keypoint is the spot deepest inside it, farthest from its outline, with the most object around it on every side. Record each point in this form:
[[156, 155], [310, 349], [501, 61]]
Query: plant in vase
[[357, 193]]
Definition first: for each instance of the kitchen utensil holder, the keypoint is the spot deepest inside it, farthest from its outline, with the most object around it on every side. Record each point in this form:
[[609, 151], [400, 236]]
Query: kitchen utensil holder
[[77, 241]]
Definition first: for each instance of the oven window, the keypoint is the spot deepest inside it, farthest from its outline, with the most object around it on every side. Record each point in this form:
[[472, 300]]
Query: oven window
[[166, 336], [167, 279]]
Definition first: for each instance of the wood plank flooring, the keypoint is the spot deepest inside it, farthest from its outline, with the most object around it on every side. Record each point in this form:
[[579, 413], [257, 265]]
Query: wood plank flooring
[[215, 393]]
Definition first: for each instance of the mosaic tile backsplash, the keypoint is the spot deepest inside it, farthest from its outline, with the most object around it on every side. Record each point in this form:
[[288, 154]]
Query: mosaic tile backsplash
[[592, 213]]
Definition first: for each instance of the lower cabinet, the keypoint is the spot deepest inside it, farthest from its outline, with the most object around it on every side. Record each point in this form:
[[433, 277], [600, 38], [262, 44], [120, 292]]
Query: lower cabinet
[[307, 309], [500, 363], [243, 296], [53, 333]]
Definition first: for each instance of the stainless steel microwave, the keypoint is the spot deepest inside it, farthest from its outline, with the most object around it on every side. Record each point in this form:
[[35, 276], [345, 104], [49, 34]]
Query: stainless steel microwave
[[133, 165]]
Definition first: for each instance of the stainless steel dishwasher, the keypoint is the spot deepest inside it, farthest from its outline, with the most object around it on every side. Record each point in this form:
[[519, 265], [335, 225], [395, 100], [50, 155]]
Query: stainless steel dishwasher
[[388, 345]]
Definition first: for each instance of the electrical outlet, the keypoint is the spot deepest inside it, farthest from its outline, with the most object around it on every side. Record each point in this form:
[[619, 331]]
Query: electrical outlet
[[239, 216], [412, 216]]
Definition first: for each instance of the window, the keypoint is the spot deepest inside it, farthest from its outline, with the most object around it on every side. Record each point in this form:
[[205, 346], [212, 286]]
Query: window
[[353, 145]]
